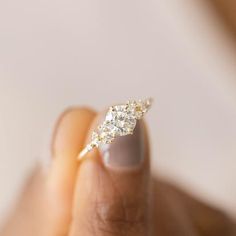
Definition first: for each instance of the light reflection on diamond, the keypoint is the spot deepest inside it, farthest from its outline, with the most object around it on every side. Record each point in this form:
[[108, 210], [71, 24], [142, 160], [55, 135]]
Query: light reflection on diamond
[[120, 120]]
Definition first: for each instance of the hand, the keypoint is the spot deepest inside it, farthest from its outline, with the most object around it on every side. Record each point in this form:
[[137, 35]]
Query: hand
[[110, 193]]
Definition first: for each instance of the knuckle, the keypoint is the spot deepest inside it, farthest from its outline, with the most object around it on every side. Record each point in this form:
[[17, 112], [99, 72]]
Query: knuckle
[[119, 217]]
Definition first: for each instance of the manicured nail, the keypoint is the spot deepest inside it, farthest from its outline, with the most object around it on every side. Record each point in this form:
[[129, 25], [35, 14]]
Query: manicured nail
[[126, 151]]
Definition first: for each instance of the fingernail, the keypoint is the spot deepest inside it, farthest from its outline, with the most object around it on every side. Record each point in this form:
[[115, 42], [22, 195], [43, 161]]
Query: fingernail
[[126, 151]]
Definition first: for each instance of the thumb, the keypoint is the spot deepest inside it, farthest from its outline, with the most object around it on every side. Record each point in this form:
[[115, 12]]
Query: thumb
[[112, 191]]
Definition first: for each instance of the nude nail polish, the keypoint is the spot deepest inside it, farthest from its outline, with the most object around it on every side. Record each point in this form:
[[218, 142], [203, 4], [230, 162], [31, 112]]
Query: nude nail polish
[[126, 152]]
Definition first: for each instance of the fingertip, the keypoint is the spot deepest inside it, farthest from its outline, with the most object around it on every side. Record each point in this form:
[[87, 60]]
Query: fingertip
[[70, 130], [68, 139]]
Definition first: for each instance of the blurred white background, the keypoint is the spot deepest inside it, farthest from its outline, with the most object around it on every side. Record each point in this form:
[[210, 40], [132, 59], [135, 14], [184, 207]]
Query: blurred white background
[[55, 54]]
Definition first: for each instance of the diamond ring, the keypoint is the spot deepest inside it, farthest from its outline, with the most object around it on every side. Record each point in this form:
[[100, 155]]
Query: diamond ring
[[120, 120]]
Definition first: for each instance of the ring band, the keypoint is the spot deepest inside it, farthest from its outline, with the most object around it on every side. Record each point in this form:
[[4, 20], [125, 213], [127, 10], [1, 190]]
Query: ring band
[[120, 120]]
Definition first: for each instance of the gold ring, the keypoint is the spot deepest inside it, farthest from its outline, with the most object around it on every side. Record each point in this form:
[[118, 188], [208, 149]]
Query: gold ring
[[120, 120]]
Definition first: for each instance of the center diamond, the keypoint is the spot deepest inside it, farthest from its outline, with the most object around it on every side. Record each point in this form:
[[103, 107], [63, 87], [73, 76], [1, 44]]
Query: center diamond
[[119, 121]]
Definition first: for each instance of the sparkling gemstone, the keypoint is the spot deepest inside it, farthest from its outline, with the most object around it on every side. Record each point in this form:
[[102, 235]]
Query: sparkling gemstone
[[96, 140], [119, 121], [138, 108], [106, 137]]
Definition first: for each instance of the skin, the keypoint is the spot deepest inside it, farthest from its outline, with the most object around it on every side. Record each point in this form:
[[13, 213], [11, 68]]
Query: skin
[[86, 198]]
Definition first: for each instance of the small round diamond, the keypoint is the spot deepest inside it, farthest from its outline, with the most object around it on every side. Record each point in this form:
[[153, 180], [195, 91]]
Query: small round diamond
[[96, 140], [106, 137]]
